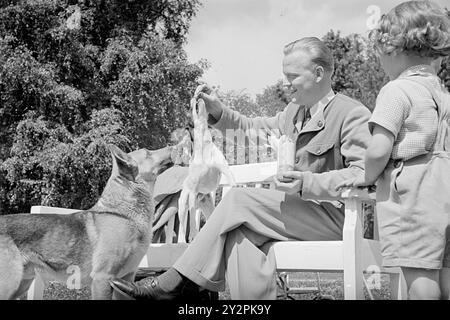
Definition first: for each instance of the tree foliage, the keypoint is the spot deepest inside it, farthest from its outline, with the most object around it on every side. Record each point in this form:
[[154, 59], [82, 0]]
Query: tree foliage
[[78, 74], [444, 72], [49, 165], [75, 75], [154, 83], [358, 72], [272, 100]]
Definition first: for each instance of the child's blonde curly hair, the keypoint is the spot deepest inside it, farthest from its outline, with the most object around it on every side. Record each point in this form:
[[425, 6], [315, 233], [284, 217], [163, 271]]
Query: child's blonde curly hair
[[414, 27]]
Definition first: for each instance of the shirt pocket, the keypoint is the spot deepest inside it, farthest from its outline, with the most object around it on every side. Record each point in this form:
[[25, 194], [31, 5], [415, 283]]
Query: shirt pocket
[[320, 156]]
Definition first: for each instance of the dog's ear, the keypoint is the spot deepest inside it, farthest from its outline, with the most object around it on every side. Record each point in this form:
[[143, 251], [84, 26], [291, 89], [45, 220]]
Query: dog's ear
[[123, 164]]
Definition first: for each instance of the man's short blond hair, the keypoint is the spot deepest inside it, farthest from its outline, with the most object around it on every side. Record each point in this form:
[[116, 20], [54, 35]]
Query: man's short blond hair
[[317, 49]]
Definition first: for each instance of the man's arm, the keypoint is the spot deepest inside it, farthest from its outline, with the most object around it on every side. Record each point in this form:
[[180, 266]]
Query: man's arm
[[222, 117], [355, 138], [231, 119]]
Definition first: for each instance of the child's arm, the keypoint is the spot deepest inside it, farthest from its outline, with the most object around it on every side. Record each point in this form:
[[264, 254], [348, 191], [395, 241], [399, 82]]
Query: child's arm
[[377, 154], [376, 158]]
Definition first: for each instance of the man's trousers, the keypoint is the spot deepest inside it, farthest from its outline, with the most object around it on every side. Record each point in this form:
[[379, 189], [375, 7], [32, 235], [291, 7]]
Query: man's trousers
[[235, 243]]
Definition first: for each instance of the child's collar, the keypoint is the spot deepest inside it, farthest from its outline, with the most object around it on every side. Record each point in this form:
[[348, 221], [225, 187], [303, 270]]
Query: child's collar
[[421, 69]]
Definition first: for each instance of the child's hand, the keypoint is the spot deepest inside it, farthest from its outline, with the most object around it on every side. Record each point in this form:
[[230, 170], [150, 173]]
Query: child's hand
[[357, 182]]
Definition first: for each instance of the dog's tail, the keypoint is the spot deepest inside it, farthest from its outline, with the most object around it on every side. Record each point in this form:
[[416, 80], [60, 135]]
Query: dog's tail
[[11, 268]]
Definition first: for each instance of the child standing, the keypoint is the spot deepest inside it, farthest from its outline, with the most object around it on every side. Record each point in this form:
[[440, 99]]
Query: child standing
[[408, 155]]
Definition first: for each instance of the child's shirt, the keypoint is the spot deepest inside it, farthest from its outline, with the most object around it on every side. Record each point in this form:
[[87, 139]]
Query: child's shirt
[[408, 111]]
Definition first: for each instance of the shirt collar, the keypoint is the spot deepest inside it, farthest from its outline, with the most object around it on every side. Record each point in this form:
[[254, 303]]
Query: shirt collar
[[316, 112], [421, 69], [319, 106]]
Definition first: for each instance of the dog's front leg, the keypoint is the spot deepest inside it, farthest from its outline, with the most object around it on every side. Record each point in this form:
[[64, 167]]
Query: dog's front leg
[[100, 288]]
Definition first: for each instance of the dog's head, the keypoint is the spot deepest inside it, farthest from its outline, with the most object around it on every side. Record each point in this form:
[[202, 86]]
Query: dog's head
[[142, 163], [129, 190], [151, 163], [182, 146]]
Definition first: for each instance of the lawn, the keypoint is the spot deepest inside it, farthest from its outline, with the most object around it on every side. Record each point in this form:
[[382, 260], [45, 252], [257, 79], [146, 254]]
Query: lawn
[[331, 284]]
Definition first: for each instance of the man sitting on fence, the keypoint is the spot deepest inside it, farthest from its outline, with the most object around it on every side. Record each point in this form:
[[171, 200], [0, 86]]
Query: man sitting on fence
[[235, 241]]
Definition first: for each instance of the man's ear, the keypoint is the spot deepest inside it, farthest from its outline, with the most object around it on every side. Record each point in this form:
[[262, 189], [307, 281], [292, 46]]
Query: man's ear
[[320, 73], [123, 164]]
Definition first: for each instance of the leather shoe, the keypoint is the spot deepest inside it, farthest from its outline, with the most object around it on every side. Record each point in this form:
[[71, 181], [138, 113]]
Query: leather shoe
[[145, 289]]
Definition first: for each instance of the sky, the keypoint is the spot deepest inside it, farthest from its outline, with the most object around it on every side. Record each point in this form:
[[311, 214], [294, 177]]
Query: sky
[[243, 40]]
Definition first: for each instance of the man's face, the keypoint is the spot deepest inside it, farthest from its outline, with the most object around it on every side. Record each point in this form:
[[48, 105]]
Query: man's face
[[301, 78]]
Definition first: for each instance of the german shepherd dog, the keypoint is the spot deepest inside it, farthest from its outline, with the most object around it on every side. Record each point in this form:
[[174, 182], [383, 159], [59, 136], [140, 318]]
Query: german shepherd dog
[[107, 241]]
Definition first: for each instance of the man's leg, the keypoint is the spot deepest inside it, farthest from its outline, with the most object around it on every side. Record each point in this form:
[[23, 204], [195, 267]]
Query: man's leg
[[251, 269], [244, 221], [271, 216]]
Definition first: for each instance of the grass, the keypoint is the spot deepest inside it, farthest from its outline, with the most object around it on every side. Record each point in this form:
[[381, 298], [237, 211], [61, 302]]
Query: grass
[[331, 284]]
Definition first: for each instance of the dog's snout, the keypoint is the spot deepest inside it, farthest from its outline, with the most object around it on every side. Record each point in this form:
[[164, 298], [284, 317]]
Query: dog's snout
[[167, 153], [164, 158]]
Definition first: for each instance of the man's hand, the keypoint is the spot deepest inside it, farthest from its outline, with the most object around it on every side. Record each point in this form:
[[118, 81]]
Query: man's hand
[[290, 182], [212, 102]]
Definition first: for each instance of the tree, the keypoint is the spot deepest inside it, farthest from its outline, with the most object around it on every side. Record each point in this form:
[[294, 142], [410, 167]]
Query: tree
[[358, 72], [75, 74], [273, 99], [50, 166], [240, 101], [149, 80], [444, 73]]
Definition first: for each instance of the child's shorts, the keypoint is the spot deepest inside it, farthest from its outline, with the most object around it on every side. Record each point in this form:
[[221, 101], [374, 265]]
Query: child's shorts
[[413, 233]]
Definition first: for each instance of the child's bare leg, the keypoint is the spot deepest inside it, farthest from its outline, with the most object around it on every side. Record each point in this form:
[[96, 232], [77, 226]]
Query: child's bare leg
[[422, 284], [444, 281]]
